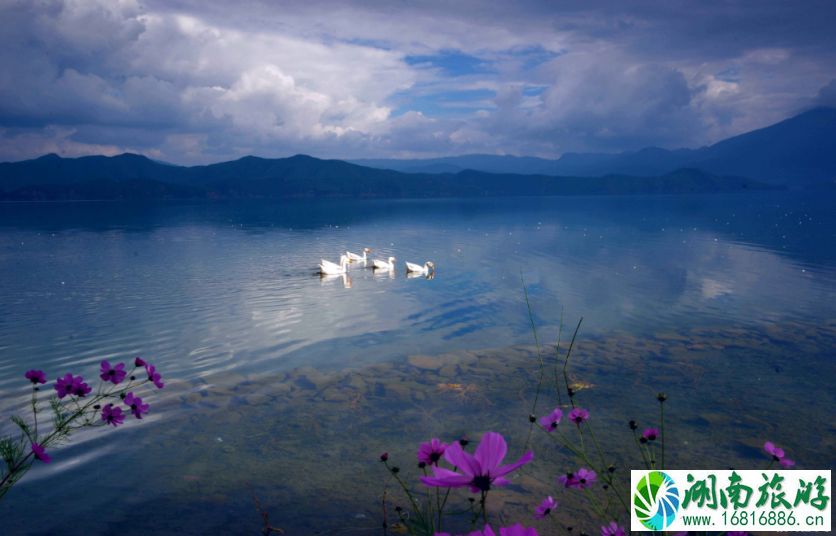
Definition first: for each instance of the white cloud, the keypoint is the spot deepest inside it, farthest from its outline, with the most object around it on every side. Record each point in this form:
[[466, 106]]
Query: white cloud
[[331, 78]]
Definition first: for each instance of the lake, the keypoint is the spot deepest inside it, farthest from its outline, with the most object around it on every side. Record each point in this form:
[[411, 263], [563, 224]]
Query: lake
[[297, 383]]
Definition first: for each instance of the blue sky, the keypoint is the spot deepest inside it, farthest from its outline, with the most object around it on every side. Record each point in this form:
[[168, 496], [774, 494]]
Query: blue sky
[[194, 82]]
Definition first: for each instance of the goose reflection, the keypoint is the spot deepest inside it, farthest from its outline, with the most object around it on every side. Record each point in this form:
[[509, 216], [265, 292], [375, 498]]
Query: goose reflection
[[384, 271], [325, 279], [413, 275]]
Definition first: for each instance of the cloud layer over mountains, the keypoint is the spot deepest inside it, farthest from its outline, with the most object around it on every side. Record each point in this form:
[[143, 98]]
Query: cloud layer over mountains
[[204, 81]]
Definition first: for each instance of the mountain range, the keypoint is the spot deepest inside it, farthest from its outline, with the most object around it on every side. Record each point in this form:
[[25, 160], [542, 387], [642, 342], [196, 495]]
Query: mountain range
[[797, 152], [129, 176]]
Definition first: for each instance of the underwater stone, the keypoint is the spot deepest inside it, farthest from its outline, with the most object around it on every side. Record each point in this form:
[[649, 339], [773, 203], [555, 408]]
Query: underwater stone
[[247, 389], [223, 380], [716, 419], [397, 390], [257, 399], [357, 383], [216, 401], [448, 371], [449, 359], [425, 362], [274, 390], [192, 399], [177, 387]]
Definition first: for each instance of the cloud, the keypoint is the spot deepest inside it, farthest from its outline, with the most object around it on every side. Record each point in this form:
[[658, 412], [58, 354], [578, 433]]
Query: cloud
[[827, 95], [198, 82]]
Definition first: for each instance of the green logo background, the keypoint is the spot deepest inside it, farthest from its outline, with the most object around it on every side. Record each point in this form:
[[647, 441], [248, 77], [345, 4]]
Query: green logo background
[[656, 500]]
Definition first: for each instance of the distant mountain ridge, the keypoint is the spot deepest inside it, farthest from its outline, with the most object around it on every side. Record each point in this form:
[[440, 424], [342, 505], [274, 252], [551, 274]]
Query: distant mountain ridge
[[797, 152], [305, 176]]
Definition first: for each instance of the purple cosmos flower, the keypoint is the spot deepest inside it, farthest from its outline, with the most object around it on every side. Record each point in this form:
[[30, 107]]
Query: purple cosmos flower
[[40, 453], [738, 533], [153, 376], [584, 478], [65, 385], [546, 508], [550, 423], [481, 470], [138, 362], [79, 388], [651, 434], [578, 415], [612, 530], [113, 416], [36, 376], [515, 530], [568, 480], [113, 374], [786, 463], [777, 453], [431, 452], [136, 405]]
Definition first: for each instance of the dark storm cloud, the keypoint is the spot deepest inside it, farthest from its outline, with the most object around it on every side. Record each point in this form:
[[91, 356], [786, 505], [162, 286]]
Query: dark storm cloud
[[199, 81]]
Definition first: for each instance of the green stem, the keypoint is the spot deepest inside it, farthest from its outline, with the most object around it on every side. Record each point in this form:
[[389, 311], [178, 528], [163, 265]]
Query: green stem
[[557, 359], [662, 406], [636, 436], [542, 366], [566, 362], [557, 524], [595, 504]]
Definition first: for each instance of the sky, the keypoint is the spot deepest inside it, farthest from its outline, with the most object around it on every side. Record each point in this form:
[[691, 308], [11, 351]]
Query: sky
[[202, 81]]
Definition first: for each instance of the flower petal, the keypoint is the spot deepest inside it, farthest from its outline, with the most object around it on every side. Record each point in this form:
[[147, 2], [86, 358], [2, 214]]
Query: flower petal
[[505, 469], [461, 459], [491, 451], [458, 481]]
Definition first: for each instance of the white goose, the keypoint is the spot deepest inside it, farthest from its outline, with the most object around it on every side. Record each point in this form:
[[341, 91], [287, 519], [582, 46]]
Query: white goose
[[382, 265], [356, 257], [329, 268], [420, 269]]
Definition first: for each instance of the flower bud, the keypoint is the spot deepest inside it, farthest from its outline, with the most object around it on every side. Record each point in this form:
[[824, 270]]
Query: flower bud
[[571, 392], [384, 456], [396, 470], [611, 468], [123, 396], [463, 441], [398, 508], [642, 440], [421, 465], [661, 397], [97, 407], [532, 418], [133, 378], [633, 425]]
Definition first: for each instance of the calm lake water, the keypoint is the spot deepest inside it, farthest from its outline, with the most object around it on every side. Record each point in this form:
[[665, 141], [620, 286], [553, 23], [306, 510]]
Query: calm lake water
[[297, 383]]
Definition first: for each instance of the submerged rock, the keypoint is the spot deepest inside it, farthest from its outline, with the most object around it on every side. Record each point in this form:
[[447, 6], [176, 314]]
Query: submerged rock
[[257, 399], [425, 362], [224, 380]]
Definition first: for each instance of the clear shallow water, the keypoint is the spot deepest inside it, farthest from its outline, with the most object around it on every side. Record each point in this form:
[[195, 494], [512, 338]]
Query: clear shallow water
[[209, 288]]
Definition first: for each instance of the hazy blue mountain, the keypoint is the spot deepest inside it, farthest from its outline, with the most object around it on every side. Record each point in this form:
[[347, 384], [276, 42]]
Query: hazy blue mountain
[[303, 176], [797, 152]]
